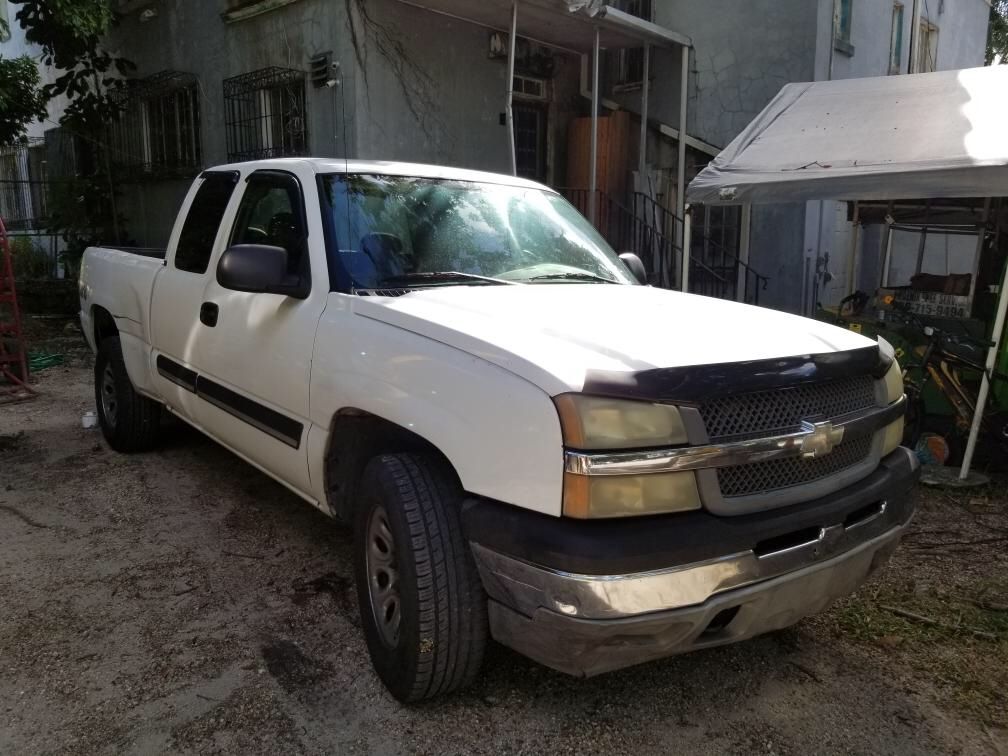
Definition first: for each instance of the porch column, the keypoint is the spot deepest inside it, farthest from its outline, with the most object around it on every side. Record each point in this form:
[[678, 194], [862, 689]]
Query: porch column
[[509, 112], [642, 159], [681, 168], [593, 180]]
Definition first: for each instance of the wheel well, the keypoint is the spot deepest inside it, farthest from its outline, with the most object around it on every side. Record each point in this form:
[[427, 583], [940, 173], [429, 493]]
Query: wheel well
[[104, 324], [355, 438]]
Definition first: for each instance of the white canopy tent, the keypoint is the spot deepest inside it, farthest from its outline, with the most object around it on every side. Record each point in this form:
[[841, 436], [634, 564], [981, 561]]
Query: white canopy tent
[[924, 136]]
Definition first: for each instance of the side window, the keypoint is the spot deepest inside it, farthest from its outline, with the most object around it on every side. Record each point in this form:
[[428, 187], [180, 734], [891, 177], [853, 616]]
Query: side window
[[271, 212], [200, 228]]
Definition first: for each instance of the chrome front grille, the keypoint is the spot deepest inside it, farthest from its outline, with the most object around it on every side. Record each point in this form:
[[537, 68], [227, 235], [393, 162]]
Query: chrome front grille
[[775, 474], [768, 413], [781, 411]]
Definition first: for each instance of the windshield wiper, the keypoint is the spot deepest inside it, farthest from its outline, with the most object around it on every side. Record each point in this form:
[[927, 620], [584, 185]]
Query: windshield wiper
[[443, 275], [572, 277]]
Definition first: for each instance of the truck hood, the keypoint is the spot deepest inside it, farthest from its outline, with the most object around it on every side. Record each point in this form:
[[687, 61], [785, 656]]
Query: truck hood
[[552, 334]]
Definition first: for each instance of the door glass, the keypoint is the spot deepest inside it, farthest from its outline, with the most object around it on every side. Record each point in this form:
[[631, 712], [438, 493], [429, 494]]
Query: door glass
[[271, 213], [196, 241]]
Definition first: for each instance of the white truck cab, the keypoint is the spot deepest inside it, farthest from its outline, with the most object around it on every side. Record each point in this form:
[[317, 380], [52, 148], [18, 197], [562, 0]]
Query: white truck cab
[[528, 443]]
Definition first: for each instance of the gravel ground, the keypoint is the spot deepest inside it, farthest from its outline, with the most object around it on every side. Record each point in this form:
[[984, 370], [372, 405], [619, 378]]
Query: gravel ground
[[182, 601]]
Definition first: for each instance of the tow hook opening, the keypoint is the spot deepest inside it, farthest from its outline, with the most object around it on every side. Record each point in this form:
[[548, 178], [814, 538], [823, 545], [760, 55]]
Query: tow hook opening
[[721, 620]]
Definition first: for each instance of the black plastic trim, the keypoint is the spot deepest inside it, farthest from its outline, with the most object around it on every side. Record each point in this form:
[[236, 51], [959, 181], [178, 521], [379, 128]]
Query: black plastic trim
[[177, 373], [269, 421], [696, 384], [641, 544]]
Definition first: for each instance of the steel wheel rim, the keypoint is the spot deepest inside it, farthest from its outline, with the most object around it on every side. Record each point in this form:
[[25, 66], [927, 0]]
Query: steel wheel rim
[[383, 578], [109, 401]]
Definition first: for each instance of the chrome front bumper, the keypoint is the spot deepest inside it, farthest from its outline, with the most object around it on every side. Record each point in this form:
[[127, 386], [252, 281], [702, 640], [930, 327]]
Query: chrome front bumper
[[588, 624]]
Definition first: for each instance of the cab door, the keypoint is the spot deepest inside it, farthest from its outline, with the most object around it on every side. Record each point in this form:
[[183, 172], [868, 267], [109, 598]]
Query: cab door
[[253, 351], [179, 288]]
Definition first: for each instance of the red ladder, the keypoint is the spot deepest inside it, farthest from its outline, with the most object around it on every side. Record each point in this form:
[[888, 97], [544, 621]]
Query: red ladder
[[13, 362]]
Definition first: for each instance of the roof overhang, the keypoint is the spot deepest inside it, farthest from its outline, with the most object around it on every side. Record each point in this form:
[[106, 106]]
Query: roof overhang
[[887, 137], [551, 23]]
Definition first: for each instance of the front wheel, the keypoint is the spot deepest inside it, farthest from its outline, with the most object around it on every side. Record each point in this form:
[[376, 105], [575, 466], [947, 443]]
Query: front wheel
[[129, 421], [422, 606]]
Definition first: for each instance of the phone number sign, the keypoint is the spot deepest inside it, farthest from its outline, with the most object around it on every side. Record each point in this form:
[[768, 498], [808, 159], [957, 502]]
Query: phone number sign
[[934, 304]]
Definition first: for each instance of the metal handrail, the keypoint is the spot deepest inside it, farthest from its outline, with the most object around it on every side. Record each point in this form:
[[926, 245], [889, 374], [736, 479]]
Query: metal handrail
[[650, 229]]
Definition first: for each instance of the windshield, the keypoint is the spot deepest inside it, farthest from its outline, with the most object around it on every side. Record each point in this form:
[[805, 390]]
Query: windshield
[[402, 231]]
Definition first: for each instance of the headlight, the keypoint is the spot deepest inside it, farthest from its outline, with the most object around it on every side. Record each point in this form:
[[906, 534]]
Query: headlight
[[593, 422], [586, 496]]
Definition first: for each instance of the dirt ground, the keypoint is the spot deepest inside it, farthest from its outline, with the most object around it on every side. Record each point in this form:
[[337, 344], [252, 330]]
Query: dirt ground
[[182, 601]]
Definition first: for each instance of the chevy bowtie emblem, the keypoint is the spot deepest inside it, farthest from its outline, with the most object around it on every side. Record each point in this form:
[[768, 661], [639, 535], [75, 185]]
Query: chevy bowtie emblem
[[821, 438]]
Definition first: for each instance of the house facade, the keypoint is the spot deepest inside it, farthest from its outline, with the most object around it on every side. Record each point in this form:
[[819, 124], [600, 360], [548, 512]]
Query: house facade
[[427, 81]]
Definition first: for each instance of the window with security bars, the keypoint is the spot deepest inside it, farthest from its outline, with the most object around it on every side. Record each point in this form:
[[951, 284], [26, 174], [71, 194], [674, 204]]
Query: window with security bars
[[630, 62], [157, 132], [264, 114]]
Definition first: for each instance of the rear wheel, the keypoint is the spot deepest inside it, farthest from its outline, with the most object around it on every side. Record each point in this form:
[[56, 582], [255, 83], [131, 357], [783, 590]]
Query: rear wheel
[[422, 606], [129, 421]]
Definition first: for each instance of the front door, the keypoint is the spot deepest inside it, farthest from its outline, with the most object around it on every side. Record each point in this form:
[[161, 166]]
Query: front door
[[253, 351], [530, 140]]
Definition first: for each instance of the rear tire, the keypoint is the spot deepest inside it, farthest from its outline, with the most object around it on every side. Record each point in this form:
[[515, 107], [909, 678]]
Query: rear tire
[[129, 421], [422, 605]]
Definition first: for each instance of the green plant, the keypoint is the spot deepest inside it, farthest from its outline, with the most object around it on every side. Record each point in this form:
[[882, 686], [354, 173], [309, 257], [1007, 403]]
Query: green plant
[[83, 209], [21, 99], [29, 259]]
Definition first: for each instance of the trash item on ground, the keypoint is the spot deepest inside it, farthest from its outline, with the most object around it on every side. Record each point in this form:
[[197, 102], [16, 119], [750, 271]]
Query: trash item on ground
[[932, 449], [38, 361], [90, 420]]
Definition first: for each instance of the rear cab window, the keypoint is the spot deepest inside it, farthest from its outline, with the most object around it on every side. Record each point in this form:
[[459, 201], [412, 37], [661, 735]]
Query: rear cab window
[[196, 241]]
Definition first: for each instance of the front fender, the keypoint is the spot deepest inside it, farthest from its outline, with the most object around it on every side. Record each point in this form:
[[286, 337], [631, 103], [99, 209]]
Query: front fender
[[500, 432]]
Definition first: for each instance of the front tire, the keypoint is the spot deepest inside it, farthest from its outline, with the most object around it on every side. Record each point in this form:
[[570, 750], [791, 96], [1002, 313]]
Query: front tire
[[423, 609], [129, 421]]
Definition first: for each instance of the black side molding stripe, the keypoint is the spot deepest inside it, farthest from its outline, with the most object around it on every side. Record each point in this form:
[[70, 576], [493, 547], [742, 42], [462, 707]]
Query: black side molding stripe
[[281, 427], [699, 383], [176, 373], [276, 424]]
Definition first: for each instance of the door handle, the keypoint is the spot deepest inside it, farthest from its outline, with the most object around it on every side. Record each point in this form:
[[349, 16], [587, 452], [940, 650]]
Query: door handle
[[208, 312]]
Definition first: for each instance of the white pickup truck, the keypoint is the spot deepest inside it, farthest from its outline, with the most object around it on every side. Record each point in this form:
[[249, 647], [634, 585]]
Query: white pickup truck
[[529, 445]]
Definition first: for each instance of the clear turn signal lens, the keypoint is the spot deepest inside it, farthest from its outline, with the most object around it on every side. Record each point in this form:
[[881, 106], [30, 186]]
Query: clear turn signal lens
[[593, 422]]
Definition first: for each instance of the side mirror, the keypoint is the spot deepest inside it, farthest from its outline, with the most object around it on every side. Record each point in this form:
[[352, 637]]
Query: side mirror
[[260, 269], [635, 265]]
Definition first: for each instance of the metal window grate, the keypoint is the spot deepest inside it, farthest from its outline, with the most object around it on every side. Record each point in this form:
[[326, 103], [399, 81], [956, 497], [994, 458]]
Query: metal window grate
[[264, 114], [23, 185], [157, 133], [764, 413]]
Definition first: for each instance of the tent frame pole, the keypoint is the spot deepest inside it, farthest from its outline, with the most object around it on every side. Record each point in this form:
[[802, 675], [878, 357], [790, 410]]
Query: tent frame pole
[[745, 239], [992, 353], [687, 239], [508, 110], [593, 179]]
